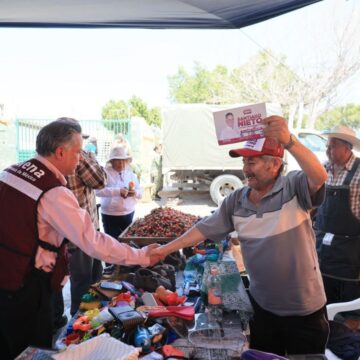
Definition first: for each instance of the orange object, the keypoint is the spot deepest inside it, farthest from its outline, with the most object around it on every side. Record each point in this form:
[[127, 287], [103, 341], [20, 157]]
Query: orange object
[[82, 323], [169, 350], [162, 293], [131, 185], [169, 297]]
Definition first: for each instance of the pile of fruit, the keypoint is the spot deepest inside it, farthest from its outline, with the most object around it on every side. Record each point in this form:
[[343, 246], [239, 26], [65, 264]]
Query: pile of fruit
[[162, 222]]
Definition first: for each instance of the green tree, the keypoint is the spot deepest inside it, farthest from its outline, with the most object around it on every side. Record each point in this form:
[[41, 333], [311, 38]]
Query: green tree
[[154, 117], [348, 115], [121, 109], [138, 107], [262, 78], [115, 110], [203, 86]]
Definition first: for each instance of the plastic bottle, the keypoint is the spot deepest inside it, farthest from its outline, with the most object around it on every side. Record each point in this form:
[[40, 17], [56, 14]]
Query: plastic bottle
[[214, 294]]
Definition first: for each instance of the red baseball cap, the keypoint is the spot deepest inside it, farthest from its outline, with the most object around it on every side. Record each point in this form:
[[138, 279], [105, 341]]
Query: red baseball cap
[[259, 147]]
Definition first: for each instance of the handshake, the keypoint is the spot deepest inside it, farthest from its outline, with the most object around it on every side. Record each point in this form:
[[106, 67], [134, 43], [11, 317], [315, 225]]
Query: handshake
[[156, 253]]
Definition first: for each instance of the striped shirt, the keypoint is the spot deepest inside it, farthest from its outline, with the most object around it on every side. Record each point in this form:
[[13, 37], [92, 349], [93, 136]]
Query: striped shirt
[[277, 242], [339, 179], [89, 175]]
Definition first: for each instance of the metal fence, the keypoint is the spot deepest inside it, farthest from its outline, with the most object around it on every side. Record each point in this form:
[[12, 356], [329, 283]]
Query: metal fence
[[104, 131]]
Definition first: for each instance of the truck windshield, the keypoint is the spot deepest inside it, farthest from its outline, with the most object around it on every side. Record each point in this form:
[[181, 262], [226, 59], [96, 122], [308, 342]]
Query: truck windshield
[[313, 142]]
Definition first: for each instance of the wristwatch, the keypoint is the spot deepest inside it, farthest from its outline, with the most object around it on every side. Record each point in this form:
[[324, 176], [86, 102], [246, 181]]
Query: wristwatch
[[293, 140]]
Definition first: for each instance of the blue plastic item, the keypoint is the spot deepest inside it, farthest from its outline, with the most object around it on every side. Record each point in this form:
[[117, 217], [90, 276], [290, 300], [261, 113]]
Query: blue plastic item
[[142, 338]]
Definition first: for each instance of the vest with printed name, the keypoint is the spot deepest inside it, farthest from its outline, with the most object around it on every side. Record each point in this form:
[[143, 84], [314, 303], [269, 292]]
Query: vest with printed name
[[21, 188]]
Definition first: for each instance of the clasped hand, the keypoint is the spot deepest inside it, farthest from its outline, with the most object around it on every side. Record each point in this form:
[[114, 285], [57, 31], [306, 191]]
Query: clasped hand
[[154, 254]]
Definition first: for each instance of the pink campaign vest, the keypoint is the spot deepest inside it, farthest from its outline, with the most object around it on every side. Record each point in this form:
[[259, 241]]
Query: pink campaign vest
[[21, 188]]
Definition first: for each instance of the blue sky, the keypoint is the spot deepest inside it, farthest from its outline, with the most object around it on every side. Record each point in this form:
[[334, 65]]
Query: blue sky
[[56, 72]]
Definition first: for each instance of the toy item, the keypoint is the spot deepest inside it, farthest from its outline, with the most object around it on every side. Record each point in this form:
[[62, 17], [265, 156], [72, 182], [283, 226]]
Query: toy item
[[89, 297], [90, 305], [90, 301], [142, 338], [73, 338], [82, 323], [92, 313], [169, 297], [183, 312], [123, 297], [157, 334]]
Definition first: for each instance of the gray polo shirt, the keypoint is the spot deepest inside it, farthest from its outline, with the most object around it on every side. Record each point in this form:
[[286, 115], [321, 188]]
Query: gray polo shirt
[[277, 242]]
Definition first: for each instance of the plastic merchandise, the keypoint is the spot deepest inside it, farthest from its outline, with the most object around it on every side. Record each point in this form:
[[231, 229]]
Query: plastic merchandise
[[183, 312], [192, 280], [92, 313], [234, 296], [168, 297], [82, 323], [214, 294], [227, 335], [103, 317], [142, 338], [169, 350], [73, 338], [157, 334]]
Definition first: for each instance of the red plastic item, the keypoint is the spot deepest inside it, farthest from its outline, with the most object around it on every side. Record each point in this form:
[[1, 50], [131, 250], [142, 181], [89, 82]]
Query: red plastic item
[[183, 312], [169, 350], [168, 297], [82, 323], [124, 297], [73, 338]]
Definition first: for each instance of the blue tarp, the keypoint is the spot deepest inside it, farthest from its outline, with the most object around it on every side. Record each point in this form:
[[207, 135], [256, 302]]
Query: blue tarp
[[151, 14]]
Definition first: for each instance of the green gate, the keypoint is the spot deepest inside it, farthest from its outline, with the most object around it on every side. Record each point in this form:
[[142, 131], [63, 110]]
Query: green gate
[[104, 131]]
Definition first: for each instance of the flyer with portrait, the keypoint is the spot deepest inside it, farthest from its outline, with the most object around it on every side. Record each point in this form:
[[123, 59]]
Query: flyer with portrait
[[240, 124]]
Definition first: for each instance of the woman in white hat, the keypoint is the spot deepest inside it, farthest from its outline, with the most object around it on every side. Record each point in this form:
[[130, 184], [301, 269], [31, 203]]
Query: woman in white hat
[[119, 197]]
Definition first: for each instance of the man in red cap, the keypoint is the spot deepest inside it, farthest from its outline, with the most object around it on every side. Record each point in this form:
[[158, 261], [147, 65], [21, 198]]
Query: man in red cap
[[272, 217]]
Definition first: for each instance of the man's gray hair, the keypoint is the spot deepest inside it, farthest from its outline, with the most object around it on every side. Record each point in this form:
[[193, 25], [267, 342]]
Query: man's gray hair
[[55, 134], [283, 163]]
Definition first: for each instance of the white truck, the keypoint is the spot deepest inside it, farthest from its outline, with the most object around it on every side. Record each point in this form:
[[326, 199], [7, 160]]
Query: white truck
[[193, 160]]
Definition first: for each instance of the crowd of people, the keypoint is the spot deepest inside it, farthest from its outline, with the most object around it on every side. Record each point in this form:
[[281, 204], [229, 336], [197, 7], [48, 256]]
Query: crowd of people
[[297, 260]]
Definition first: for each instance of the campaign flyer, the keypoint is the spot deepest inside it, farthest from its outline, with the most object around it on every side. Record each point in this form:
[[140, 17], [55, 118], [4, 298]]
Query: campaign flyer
[[240, 124]]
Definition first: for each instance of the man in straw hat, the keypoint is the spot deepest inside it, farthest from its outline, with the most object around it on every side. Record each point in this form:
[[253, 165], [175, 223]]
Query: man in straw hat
[[338, 219], [272, 217]]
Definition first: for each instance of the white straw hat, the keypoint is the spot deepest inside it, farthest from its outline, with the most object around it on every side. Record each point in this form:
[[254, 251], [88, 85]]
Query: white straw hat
[[343, 133], [120, 153]]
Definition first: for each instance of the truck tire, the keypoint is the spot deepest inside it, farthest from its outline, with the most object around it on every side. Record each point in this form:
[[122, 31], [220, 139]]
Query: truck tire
[[222, 186]]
